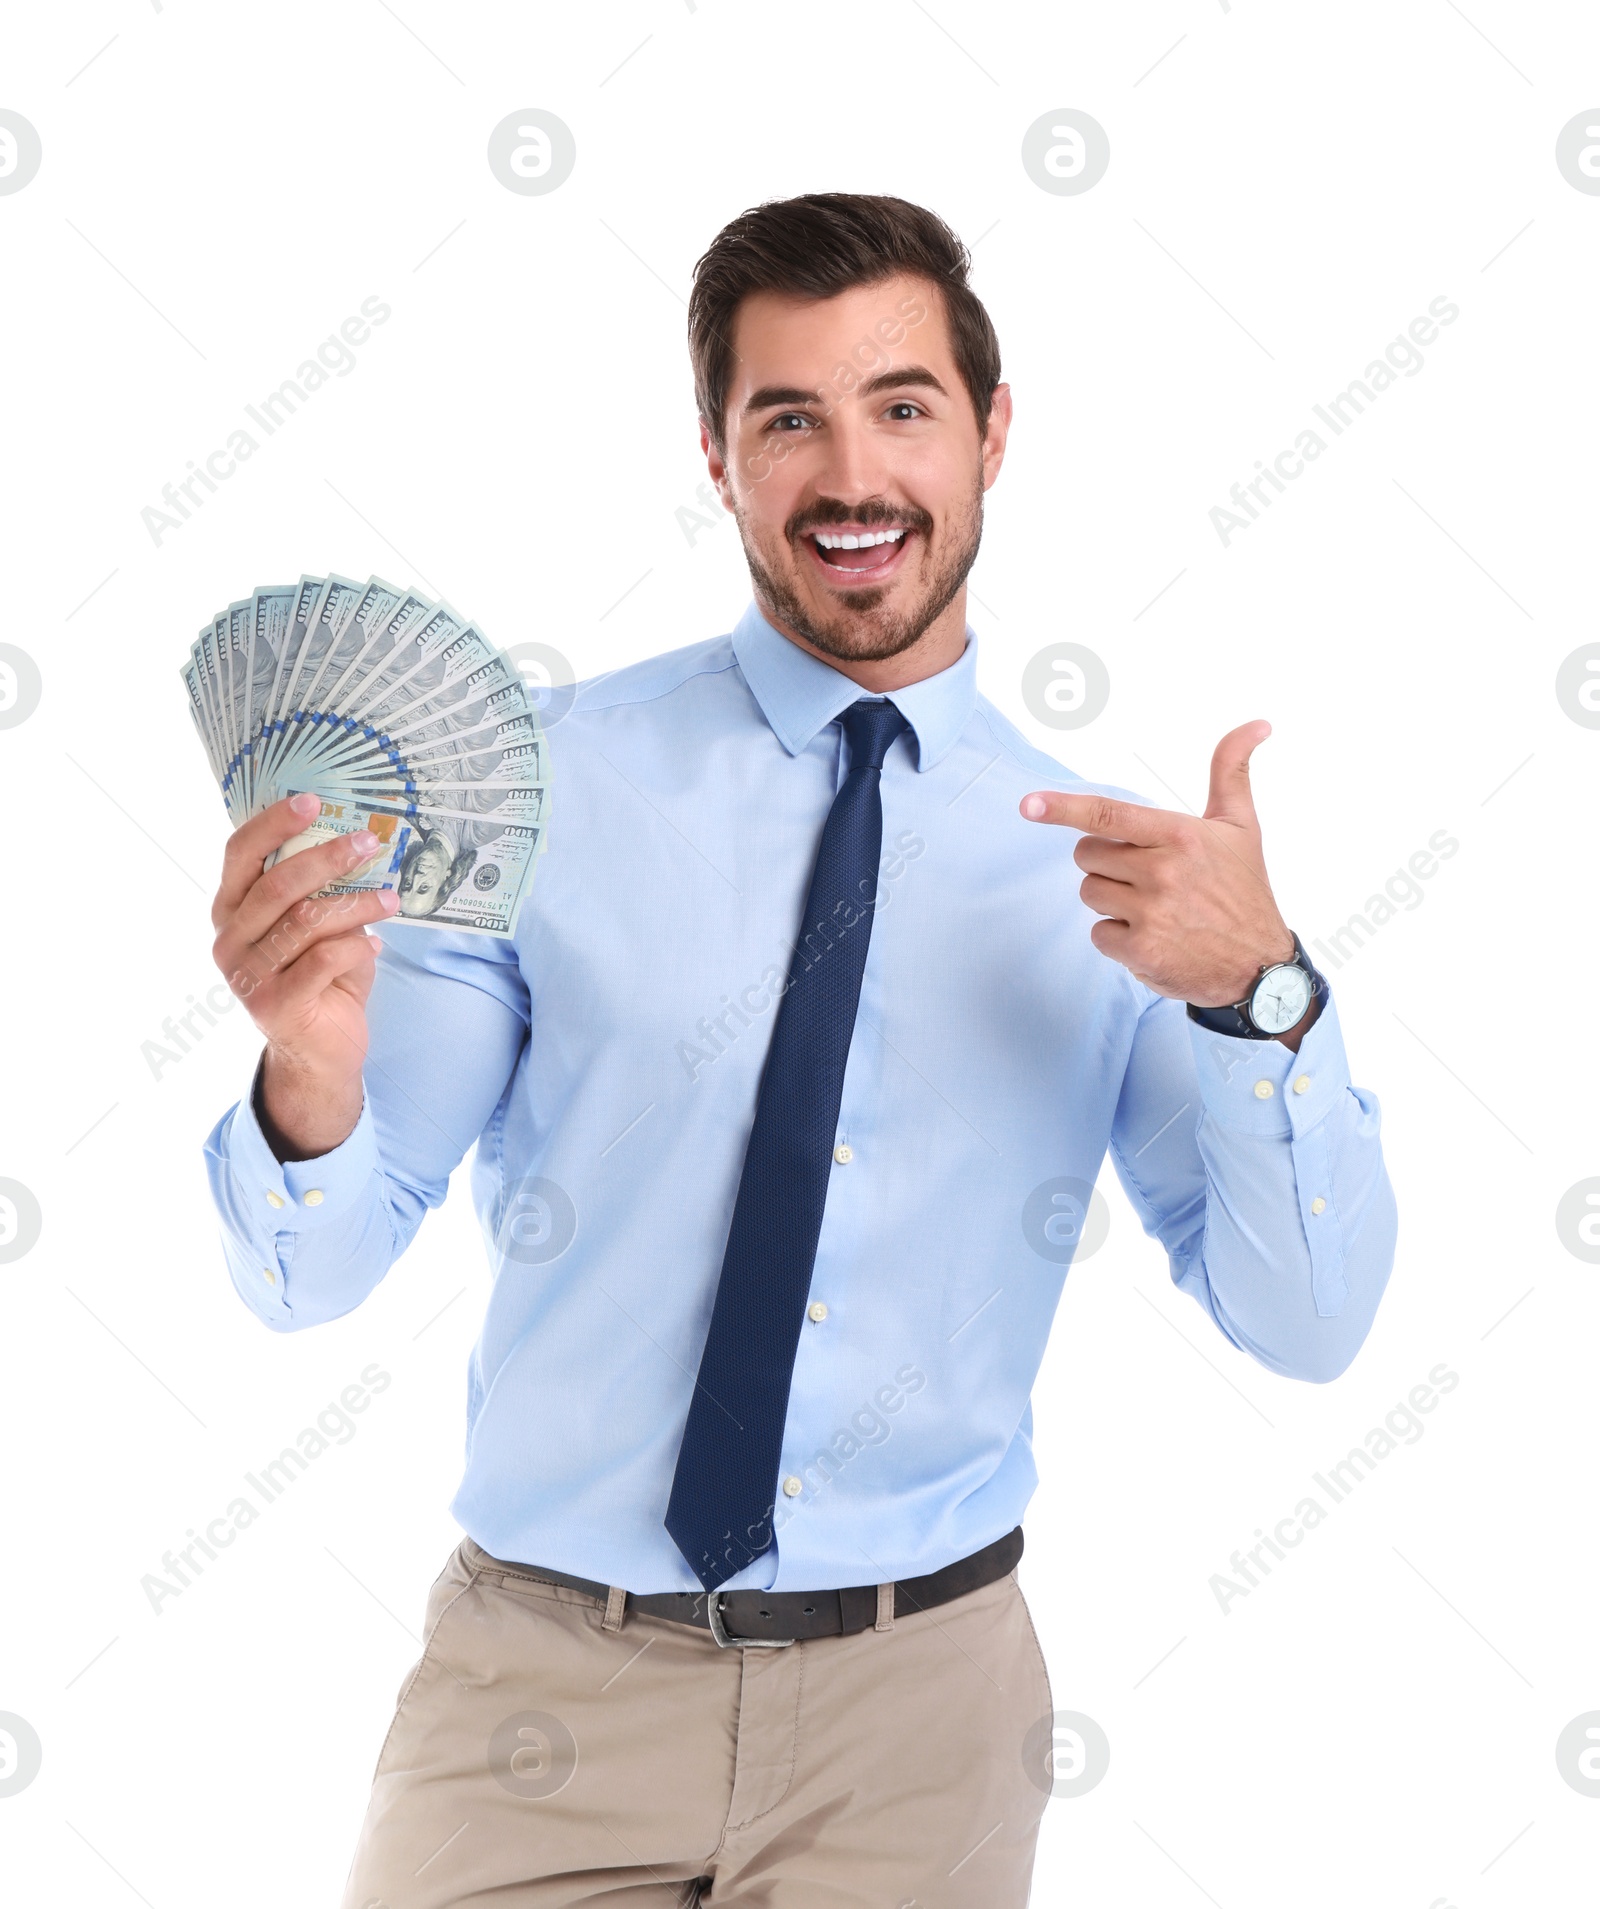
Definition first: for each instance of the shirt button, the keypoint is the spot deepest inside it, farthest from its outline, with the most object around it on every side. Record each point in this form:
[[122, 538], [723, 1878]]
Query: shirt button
[[843, 1154], [792, 1487], [269, 1275], [274, 1199], [1318, 1204], [1302, 1083], [314, 1197], [1263, 1090], [816, 1312]]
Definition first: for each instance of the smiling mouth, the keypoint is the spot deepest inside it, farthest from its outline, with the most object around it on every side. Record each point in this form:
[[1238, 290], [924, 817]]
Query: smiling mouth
[[861, 554]]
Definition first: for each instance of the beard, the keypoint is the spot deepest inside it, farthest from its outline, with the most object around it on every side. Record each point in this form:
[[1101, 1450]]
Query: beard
[[864, 628]]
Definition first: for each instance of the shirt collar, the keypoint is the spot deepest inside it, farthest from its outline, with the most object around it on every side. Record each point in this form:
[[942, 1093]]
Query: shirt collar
[[799, 694]]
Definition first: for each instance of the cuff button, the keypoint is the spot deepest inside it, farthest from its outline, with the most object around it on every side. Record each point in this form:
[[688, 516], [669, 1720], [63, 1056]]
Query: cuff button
[[269, 1275]]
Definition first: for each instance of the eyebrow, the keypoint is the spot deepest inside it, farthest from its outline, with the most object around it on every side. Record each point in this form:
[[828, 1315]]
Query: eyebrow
[[902, 375], [905, 374]]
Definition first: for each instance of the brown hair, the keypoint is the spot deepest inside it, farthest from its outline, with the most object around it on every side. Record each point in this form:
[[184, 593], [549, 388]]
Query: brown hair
[[817, 246]]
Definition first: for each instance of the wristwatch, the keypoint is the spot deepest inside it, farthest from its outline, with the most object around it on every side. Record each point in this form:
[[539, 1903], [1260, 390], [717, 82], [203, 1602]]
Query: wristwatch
[[1278, 1001]]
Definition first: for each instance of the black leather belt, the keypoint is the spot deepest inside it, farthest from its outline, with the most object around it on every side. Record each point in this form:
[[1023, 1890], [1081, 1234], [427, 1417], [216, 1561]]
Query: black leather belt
[[787, 1617]]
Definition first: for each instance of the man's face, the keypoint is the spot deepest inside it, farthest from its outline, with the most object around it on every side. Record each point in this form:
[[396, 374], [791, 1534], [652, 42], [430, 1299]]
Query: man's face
[[854, 464]]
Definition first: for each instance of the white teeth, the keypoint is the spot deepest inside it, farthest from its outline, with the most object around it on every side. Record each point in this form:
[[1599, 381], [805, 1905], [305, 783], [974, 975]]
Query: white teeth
[[847, 540]]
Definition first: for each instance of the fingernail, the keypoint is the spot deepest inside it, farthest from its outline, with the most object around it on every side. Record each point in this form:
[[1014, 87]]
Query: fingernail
[[388, 900], [364, 842], [305, 804], [1033, 807]]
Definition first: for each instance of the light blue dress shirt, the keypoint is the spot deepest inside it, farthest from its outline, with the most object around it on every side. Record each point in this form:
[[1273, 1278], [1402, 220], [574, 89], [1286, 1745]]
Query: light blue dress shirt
[[605, 1061]]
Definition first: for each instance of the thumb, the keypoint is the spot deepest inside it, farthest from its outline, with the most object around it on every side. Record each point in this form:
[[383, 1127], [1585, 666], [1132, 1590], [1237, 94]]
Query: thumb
[[1229, 799]]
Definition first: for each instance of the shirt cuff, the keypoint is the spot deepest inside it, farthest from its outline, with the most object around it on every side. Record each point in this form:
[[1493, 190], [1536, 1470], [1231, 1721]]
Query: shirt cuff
[[1265, 1088], [291, 1195]]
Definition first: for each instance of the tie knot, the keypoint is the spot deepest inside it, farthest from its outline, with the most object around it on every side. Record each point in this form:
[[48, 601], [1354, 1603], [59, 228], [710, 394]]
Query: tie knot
[[870, 728]]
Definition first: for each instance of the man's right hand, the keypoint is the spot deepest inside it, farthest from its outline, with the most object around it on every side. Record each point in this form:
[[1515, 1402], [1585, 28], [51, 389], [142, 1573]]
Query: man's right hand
[[303, 966]]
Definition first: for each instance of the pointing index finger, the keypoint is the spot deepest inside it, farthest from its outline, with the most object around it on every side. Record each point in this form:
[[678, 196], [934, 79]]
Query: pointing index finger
[[1100, 815]]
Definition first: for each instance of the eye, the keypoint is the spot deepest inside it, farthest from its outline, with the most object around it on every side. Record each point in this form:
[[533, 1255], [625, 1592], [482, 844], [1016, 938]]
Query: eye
[[787, 421], [903, 409]]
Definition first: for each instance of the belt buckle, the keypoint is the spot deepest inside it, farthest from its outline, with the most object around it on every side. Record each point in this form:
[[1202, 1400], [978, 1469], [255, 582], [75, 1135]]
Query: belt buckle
[[720, 1631]]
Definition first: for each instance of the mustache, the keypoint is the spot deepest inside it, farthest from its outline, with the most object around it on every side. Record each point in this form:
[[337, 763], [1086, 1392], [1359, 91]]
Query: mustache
[[874, 513]]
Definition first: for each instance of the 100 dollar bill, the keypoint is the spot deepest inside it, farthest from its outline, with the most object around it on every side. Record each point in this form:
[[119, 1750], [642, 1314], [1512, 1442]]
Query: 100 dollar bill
[[466, 871]]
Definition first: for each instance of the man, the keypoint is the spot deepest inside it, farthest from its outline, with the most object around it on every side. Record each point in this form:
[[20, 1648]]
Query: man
[[787, 1095]]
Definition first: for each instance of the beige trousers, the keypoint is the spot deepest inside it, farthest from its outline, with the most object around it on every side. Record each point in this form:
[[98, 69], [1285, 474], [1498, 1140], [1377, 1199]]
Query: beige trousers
[[544, 1753]]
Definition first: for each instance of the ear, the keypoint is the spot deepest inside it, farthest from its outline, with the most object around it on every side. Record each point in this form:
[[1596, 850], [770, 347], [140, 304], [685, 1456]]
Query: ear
[[995, 433], [716, 463]]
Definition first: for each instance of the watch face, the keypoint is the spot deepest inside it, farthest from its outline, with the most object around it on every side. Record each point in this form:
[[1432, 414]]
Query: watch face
[[1282, 995]]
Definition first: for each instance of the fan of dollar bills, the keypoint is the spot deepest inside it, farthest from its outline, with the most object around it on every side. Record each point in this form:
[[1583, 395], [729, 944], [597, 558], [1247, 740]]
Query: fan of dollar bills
[[402, 718]]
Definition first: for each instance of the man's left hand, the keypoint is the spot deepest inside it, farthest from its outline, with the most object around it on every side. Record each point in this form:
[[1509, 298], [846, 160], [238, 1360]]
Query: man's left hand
[[1188, 907]]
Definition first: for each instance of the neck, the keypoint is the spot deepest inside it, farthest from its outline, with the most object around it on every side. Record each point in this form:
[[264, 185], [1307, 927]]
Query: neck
[[939, 645]]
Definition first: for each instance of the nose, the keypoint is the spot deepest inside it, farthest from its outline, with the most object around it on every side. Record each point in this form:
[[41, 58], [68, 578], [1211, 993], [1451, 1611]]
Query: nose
[[853, 465]]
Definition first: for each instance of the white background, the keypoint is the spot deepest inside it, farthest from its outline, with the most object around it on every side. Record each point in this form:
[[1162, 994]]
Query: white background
[[1288, 188]]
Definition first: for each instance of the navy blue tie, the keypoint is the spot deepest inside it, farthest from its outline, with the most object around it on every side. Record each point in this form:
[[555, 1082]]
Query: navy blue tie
[[721, 1508]]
